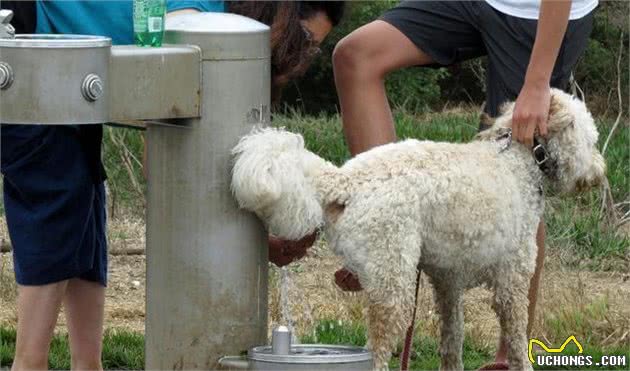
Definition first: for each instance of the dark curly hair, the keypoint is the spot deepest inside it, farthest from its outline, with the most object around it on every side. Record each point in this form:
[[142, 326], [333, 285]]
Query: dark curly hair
[[292, 48]]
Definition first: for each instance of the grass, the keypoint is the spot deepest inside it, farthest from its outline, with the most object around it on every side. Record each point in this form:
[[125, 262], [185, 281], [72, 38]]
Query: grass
[[323, 134], [425, 355], [123, 350], [122, 158], [575, 223]]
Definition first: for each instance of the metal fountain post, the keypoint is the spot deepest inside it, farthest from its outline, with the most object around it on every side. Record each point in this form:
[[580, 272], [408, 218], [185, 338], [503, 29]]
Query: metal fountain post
[[206, 268], [206, 261]]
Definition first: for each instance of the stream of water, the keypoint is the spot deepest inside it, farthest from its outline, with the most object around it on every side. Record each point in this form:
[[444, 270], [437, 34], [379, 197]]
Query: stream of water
[[286, 286]]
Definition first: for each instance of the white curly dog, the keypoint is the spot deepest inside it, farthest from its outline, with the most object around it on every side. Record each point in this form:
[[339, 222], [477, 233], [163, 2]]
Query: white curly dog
[[465, 214]]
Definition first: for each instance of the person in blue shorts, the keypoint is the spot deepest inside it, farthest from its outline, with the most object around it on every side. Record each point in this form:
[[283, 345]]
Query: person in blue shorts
[[54, 194]]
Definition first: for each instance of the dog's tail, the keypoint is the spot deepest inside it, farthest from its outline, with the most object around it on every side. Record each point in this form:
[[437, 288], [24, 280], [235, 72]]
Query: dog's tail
[[283, 183]]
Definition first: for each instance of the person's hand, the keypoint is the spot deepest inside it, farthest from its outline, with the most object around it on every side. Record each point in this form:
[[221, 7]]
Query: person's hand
[[283, 252], [347, 281], [531, 111]]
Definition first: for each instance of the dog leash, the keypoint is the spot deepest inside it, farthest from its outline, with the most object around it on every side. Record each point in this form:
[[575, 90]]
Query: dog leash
[[404, 357]]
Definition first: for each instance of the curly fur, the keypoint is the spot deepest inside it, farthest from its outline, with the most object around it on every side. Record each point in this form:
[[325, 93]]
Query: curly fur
[[466, 214]]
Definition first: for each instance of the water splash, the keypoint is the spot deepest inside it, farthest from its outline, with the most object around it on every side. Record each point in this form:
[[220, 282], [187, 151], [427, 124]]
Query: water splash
[[285, 310], [288, 288]]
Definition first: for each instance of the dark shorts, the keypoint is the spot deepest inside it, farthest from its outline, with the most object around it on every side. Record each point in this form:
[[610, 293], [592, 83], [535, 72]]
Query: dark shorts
[[454, 31], [55, 209]]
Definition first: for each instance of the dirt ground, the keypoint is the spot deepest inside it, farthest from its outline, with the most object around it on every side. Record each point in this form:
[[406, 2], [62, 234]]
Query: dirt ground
[[565, 294]]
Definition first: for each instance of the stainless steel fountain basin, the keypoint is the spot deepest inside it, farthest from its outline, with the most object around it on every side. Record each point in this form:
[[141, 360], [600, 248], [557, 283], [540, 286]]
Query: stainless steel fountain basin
[[58, 79], [302, 357], [311, 357]]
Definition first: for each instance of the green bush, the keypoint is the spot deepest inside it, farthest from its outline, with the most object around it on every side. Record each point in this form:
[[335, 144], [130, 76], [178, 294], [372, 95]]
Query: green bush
[[315, 92], [596, 72], [122, 158]]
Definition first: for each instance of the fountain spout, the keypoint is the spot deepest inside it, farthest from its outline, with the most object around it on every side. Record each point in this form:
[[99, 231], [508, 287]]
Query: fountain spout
[[281, 341]]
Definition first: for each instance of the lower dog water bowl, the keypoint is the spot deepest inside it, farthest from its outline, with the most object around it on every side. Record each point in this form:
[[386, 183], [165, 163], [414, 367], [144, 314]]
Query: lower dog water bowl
[[303, 357]]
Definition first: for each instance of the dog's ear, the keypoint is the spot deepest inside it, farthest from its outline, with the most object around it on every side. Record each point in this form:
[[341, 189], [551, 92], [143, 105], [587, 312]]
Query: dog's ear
[[559, 112], [255, 181], [555, 105]]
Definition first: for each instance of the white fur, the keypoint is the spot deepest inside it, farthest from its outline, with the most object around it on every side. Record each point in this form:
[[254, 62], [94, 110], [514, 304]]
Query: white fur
[[466, 214]]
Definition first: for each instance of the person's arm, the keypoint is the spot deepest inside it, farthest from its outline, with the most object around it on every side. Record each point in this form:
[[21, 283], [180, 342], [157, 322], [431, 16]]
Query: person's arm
[[532, 105]]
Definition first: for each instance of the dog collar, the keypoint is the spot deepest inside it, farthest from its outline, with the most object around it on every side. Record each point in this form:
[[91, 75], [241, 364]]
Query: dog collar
[[539, 151], [545, 163]]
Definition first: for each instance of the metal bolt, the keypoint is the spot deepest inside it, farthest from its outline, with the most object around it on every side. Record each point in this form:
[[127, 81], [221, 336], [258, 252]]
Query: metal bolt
[[92, 87], [6, 75]]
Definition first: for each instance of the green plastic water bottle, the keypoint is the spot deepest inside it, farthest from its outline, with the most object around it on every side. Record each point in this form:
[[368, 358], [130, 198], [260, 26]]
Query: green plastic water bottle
[[148, 22]]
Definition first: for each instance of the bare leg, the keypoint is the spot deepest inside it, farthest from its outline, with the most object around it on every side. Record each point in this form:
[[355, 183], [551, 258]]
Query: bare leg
[[361, 61], [38, 309], [501, 356], [84, 302]]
